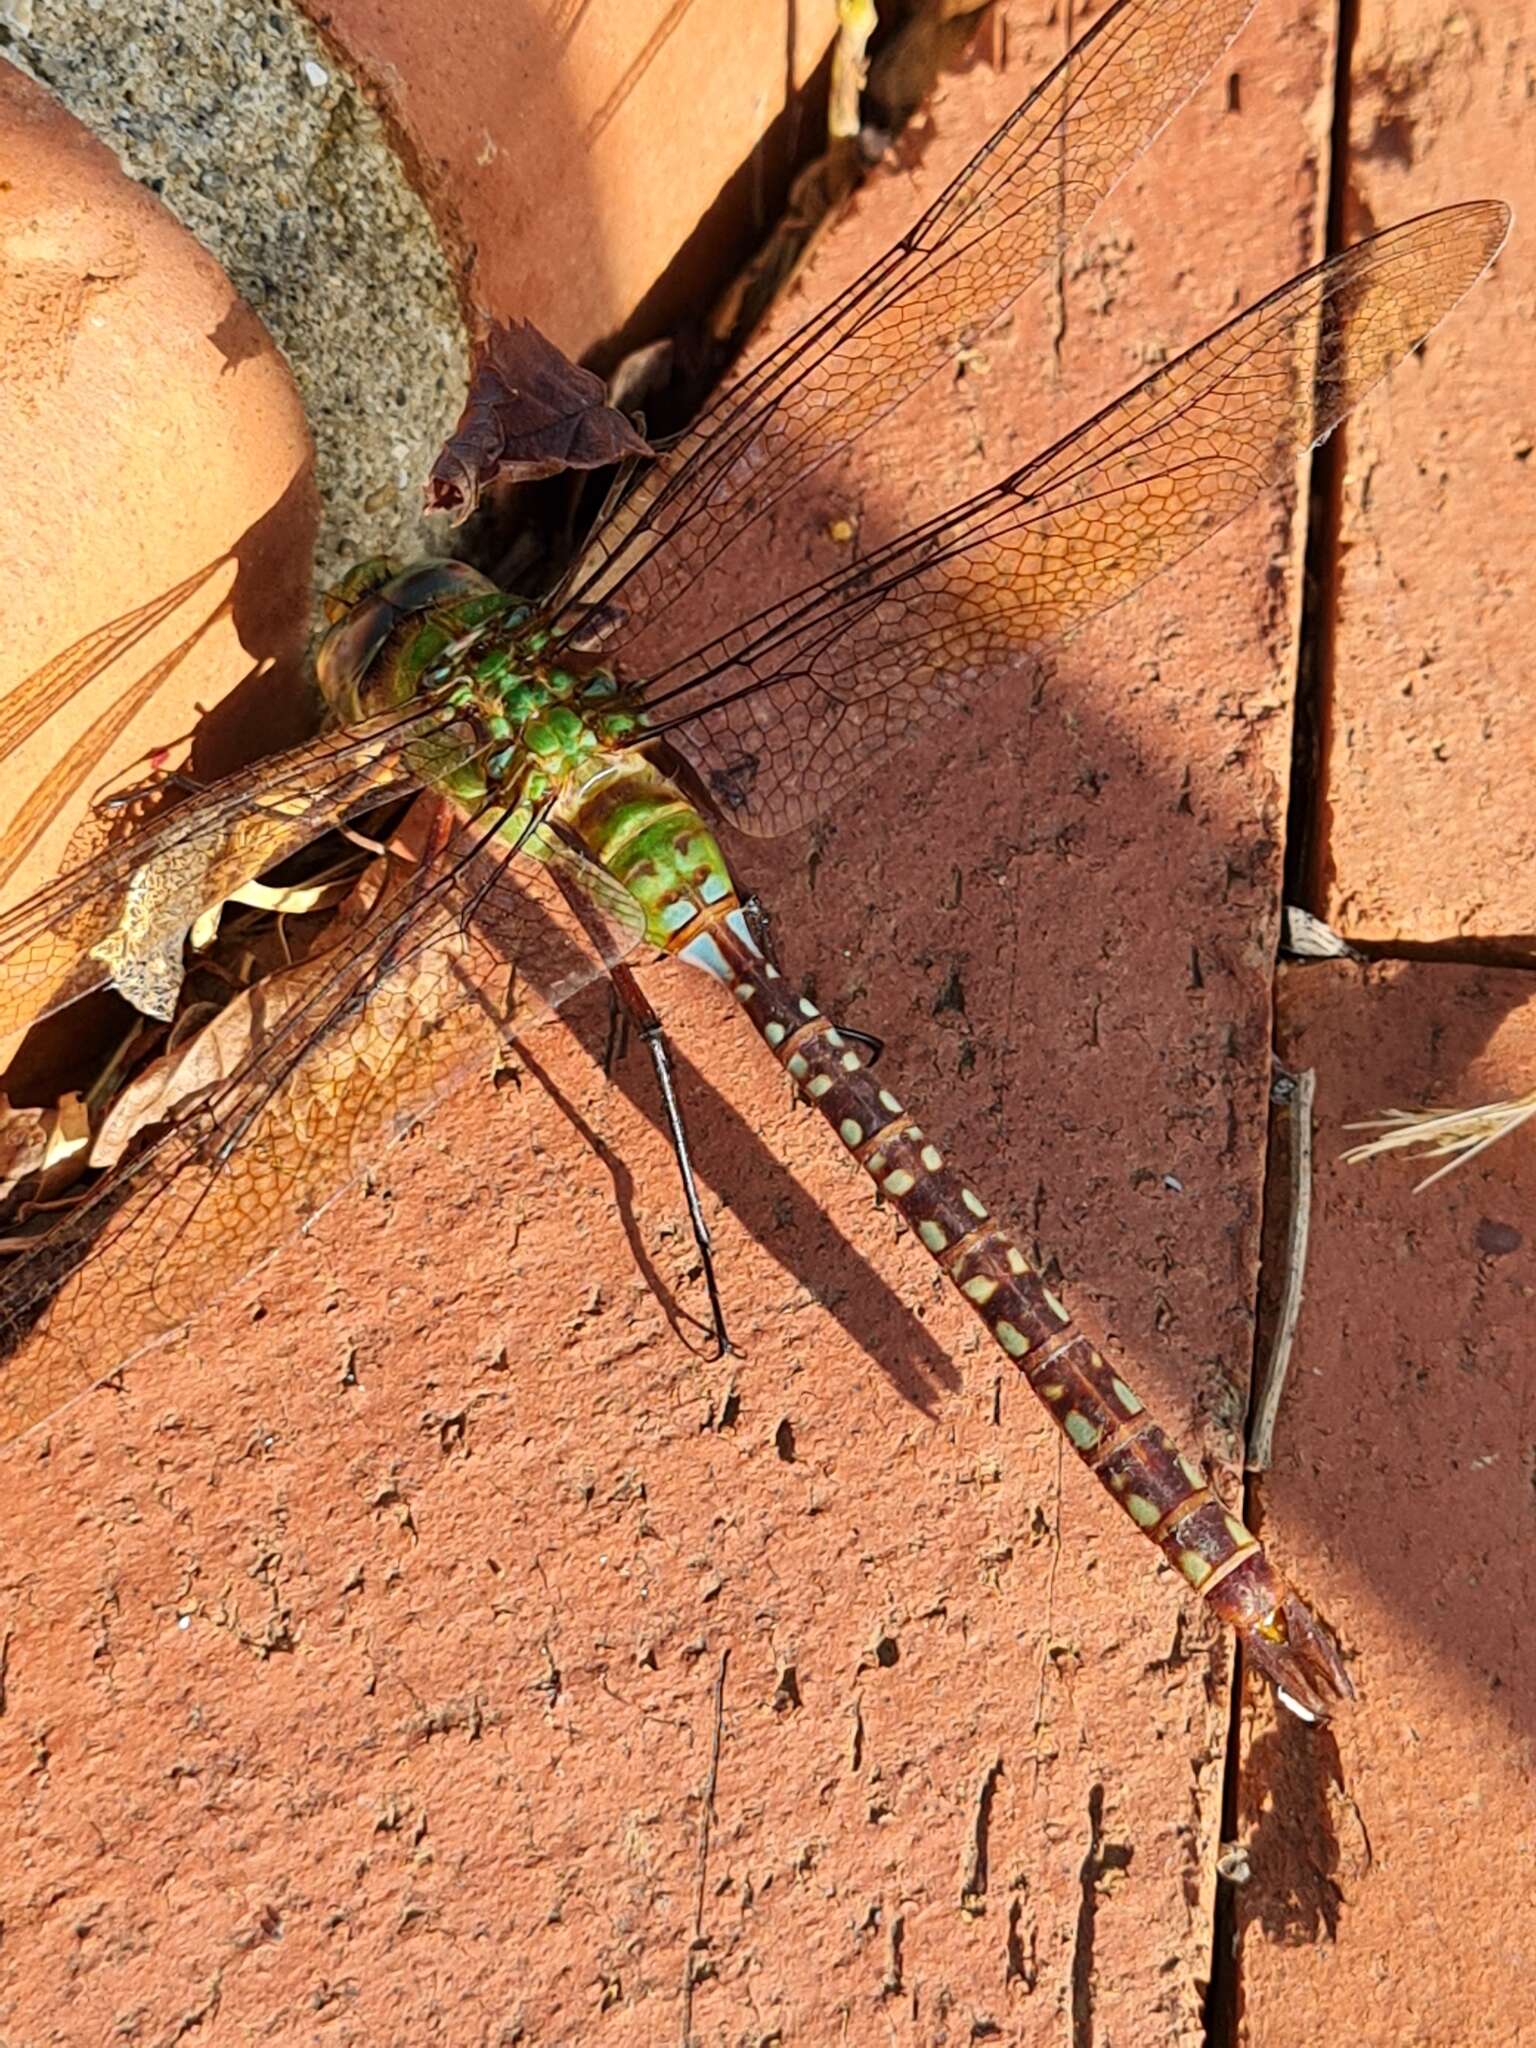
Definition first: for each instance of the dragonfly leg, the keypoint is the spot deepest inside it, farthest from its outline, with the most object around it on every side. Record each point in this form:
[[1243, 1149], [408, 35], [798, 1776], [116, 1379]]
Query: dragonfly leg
[[152, 785], [875, 1045], [632, 1004]]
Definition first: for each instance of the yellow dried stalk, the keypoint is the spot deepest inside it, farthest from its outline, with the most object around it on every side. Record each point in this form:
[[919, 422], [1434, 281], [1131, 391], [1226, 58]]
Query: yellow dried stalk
[[1431, 1133]]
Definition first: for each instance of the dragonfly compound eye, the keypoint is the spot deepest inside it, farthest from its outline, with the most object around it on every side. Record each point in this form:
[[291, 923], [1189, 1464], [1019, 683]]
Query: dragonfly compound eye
[[367, 608]]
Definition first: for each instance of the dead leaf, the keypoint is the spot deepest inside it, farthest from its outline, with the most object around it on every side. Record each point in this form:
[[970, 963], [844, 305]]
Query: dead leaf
[[640, 375], [231, 1036], [68, 1149], [290, 902], [47, 1147], [23, 1144], [201, 1062], [530, 413]]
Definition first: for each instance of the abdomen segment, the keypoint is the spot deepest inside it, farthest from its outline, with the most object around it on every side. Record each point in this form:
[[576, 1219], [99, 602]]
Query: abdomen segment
[[1162, 1491]]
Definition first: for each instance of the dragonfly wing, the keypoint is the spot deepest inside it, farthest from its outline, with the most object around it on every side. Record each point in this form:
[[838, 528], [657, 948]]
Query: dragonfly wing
[[347, 1050], [779, 714], [123, 917], [1018, 202], [589, 914], [553, 915]]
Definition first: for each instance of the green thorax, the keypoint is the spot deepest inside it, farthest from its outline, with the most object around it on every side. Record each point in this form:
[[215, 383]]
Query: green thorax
[[441, 631], [534, 729]]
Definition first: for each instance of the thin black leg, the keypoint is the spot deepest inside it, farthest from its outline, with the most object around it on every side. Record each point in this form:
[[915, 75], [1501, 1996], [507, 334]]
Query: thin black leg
[[646, 1022]]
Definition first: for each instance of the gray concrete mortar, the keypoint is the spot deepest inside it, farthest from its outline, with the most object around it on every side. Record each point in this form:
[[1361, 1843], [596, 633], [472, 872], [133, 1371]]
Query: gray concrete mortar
[[240, 118]]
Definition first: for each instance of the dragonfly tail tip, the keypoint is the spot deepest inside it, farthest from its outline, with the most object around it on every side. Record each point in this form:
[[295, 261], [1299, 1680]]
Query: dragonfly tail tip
[[1300, 1658]]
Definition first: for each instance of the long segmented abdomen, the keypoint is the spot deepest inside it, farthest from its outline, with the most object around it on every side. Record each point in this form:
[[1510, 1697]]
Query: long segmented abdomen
[[1162, 1491]]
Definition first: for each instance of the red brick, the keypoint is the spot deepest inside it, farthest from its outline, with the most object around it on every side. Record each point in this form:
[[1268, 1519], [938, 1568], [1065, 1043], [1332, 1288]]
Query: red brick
[[461, 1531], [151, 430], [575, 150], [1428, 781], [1403, 1487]]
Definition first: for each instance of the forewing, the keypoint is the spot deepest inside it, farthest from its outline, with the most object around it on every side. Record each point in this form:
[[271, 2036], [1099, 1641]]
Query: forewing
[[778, 715], [353, 1046], [122, 919], [1016, 205]]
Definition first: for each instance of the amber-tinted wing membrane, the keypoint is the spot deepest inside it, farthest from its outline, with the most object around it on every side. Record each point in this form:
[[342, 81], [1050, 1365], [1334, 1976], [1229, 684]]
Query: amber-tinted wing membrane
[[780, 713], [123, 917], [1017, 203], [345, 1050]]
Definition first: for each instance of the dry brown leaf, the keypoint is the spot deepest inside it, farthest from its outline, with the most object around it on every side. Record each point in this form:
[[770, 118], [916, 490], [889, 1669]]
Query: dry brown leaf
[[200, 1063], [44, 1147], [298, 901], [530, 413], [68, 1150], [211, 1054], [23, 1144]]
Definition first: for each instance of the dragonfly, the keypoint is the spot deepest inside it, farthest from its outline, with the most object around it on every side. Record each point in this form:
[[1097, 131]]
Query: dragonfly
[[577, 753]]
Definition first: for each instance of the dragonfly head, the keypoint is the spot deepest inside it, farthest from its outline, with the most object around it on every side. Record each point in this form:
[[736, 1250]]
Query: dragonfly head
[[344, 596], [389, 625]]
